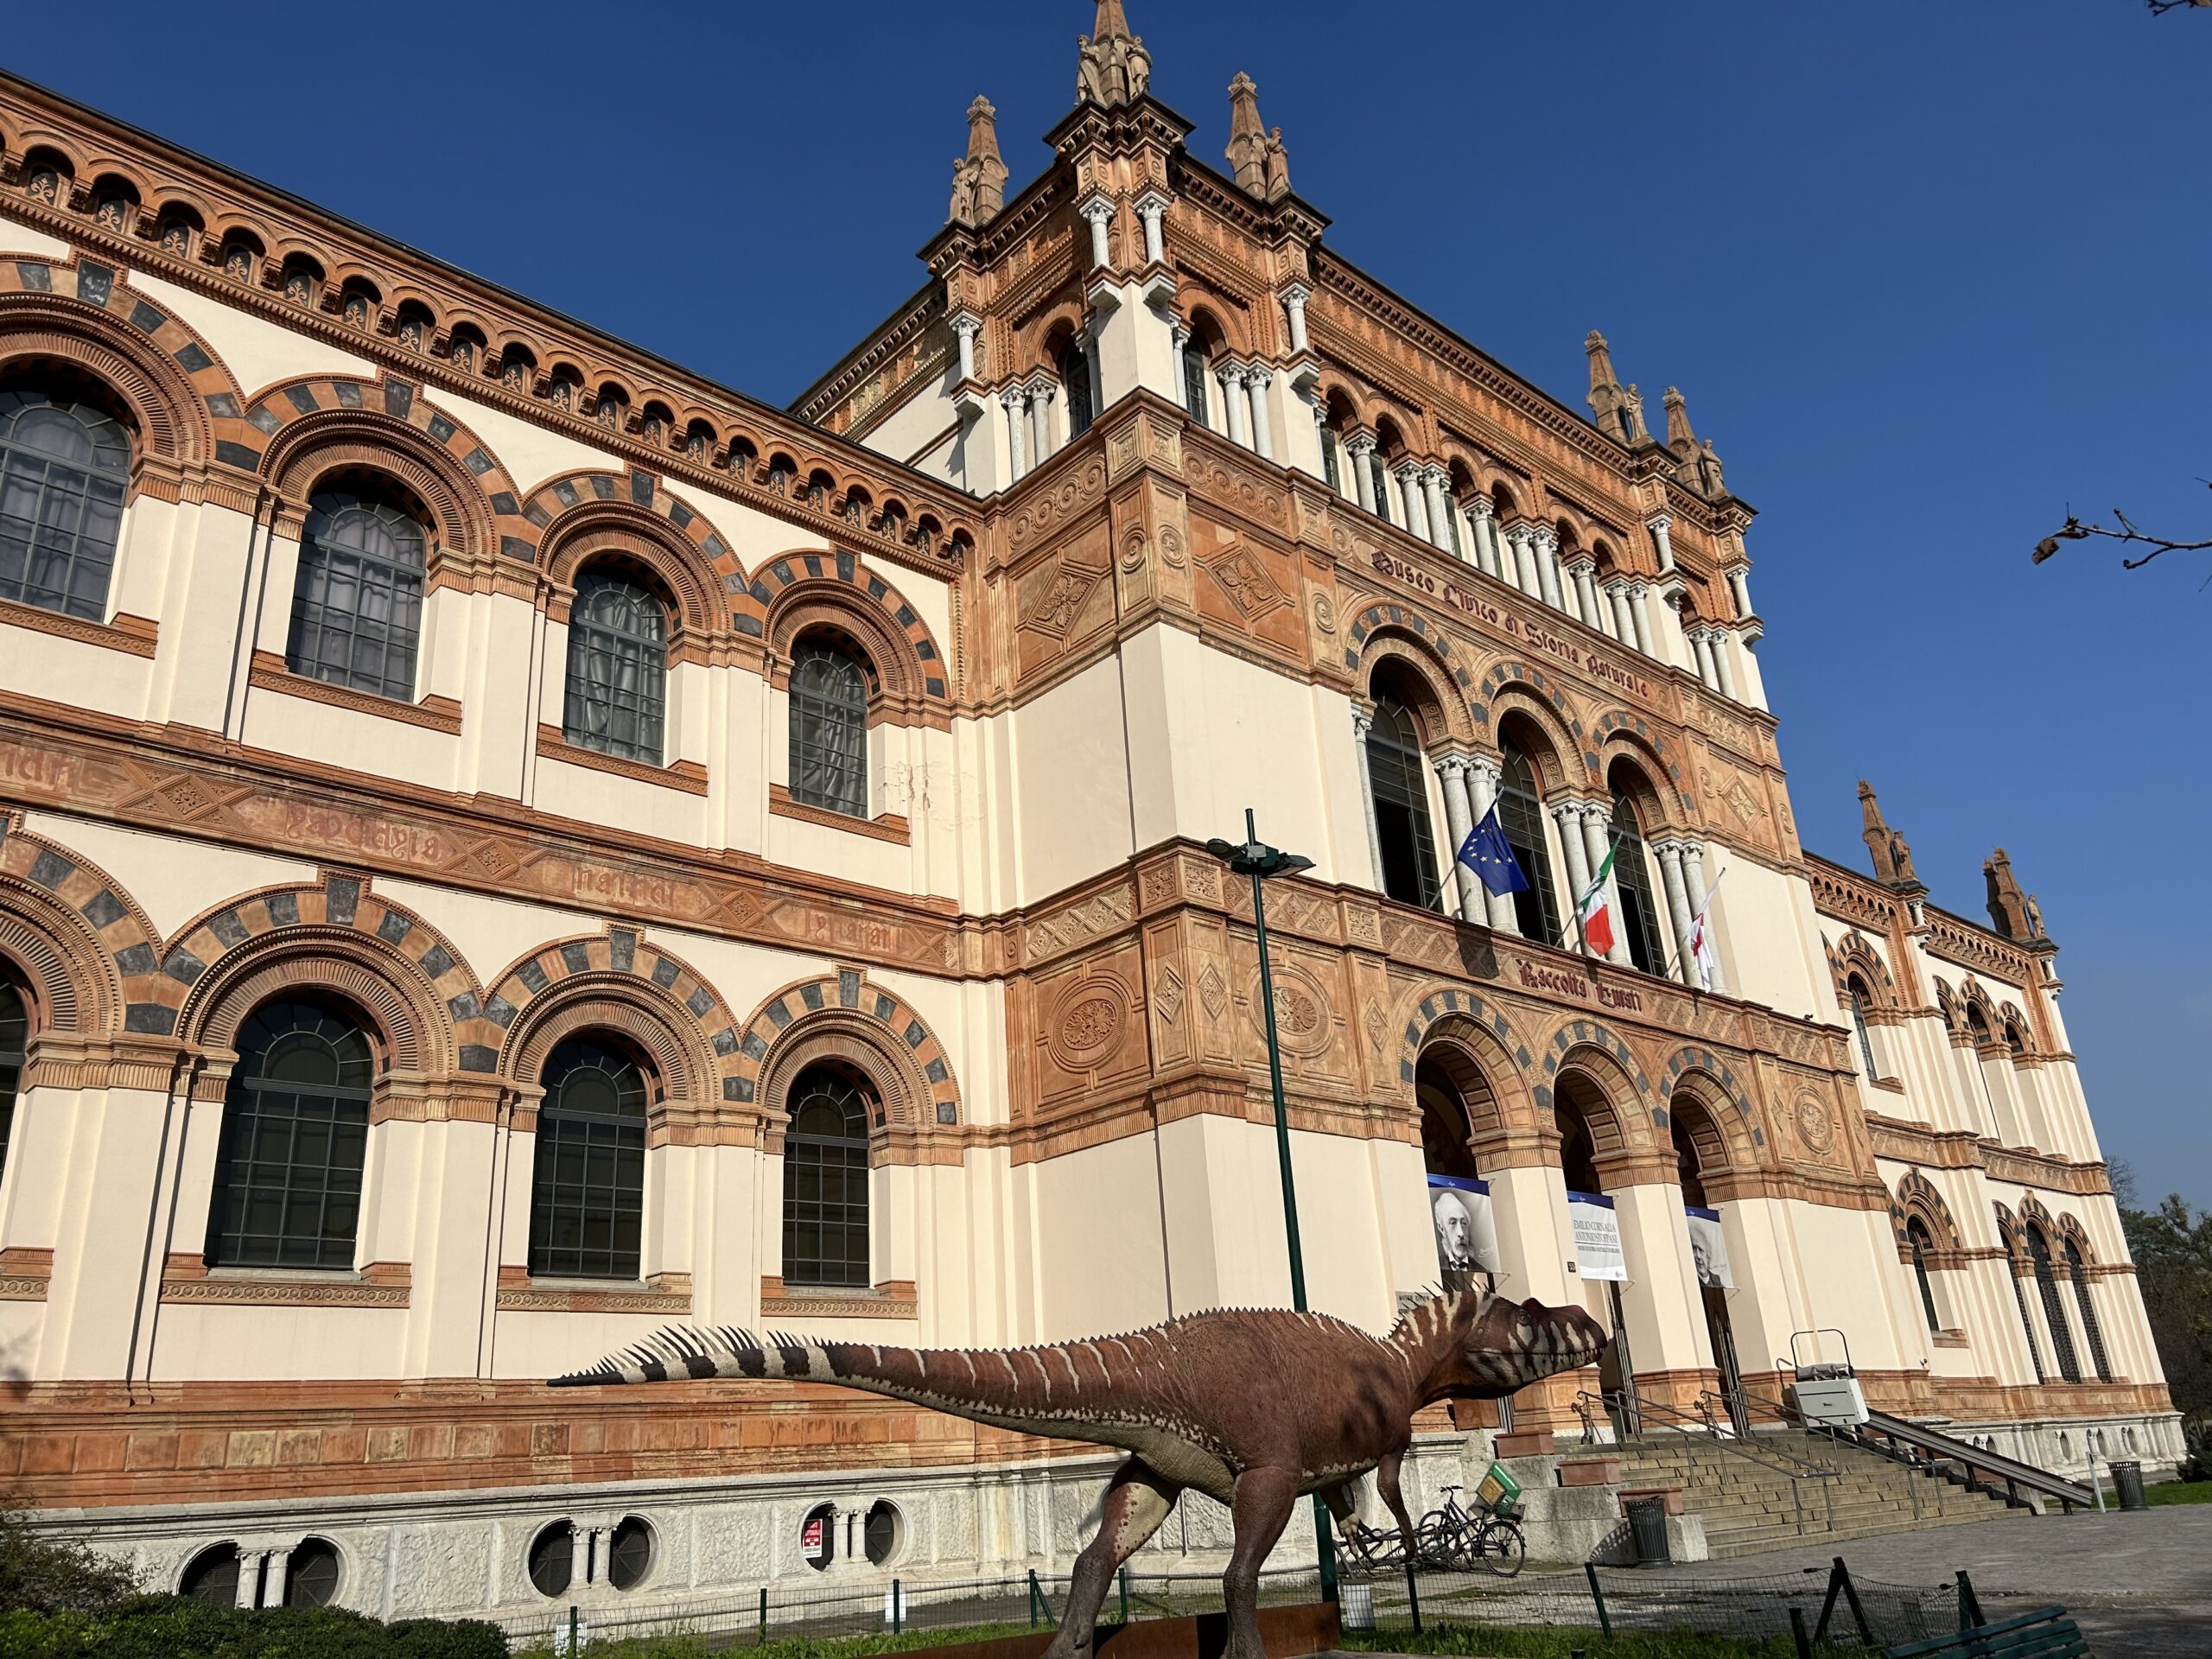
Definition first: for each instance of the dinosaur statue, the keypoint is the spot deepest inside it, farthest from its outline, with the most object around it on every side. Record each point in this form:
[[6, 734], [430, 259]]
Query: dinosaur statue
[[1252, 1407]]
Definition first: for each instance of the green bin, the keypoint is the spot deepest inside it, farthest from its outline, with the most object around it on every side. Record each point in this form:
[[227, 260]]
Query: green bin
[[1499, 1492]]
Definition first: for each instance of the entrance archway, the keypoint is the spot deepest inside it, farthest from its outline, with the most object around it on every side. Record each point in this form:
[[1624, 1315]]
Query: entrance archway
[[1581, 1115], [1698, 1147]]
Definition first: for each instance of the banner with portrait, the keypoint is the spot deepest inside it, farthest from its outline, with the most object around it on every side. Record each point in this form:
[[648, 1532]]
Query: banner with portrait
[[1466, 1235], [1596, 1237], [1708, 1247]]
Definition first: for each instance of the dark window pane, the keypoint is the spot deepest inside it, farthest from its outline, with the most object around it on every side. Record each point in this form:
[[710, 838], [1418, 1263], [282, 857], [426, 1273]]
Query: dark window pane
[[1646, 947], [65, 468], [1521, 815], [828, 730], [588, 1185], [14, 1035], [1398, 772], [825, 1182], [288, 1158], [617, 670], [357, 603], [2054, 1312]]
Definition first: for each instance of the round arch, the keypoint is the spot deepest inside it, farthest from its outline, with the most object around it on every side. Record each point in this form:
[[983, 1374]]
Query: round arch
[[87, 952], [1410, 669], [595, 529], [839, 593], [1917, 1200], [847, 1016]]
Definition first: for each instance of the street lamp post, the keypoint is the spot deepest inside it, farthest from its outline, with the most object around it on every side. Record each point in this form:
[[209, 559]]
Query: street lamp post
[[1259, 861]]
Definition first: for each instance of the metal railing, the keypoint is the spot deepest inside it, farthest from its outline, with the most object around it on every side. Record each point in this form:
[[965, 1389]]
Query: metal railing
[[1812, 1486]]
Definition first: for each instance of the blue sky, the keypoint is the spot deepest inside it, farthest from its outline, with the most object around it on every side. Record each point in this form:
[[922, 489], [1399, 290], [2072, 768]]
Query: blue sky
[[1928, 273]]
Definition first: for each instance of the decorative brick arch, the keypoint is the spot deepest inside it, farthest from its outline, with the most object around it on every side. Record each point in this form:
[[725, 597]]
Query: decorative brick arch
[[2071, 1232], [1619, 735], [1460, 1029], [1917, 1200], [582, 513], [911, 1069], [1709, 1077], [184, 405], [617, 980], [837, 590], [88, 956], [1853, 954], [1516, 687], [323, 422], [1425, 651], [338, 936], [1501, 1047], [1591, 1047]]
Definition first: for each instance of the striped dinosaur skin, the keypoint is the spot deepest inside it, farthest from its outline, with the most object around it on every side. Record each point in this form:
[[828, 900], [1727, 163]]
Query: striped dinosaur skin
[[1251, 1406]]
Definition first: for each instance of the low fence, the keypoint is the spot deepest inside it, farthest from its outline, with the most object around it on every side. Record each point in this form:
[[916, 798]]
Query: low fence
[[1817, 1607]]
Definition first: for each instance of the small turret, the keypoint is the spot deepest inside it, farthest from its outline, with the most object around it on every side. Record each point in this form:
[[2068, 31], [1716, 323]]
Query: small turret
[[1893, 856], [1256, 156], [2010, 911], [979, 178], [1112, 67], [1617, 409]]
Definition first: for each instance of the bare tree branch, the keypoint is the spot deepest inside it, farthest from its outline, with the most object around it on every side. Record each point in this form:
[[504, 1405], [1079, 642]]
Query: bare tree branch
[[2074, 530], [2159, 8]]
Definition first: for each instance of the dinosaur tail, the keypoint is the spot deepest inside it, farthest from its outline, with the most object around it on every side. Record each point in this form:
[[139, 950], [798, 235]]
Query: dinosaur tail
[[681, 1355]]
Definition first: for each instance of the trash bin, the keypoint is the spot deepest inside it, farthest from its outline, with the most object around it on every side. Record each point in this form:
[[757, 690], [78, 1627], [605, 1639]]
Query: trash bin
[[2128, 1478], [1356, 1603], [1647, 1522]]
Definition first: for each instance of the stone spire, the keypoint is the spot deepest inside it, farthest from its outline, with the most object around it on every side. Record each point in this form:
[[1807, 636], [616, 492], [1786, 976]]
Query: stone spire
[[2012, 913], [1257, 157], [1680, 438], [1608, 401], [979, 178], [1699, 467], [1892, 857], [1112, 67]]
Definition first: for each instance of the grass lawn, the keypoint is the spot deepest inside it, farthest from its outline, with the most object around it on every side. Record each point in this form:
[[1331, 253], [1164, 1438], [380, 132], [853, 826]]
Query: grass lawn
[[1561, 1642], [2180, 1492]]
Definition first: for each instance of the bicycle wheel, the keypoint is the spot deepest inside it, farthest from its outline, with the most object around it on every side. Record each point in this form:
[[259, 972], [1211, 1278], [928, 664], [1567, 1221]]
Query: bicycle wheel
[[1501, 1548]]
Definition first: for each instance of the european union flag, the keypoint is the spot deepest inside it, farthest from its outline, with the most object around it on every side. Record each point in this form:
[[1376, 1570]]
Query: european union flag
[[1489, 855]]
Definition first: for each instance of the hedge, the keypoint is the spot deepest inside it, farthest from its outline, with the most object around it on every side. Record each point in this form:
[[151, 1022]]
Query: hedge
[[176, 1627]]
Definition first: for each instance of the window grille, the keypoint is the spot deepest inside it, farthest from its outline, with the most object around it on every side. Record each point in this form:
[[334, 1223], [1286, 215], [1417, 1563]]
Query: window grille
[[2078, 1271], [1397, 770], [357, 609], [65, 469], [588, 1190], [1916, 1237], [1194, 386], [825, 1182], [829, 759], [1647, 947], [1075, 381], [618, 670], [1858, 993], [1329, 467], [296, 1131], [2054, 1310], [1521, 815]]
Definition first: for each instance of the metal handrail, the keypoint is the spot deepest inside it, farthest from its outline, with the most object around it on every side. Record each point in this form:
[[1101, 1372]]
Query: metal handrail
[[1782, 1462]]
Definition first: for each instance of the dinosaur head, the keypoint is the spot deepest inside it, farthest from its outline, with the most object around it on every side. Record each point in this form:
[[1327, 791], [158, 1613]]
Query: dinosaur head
[[1474, 1345]]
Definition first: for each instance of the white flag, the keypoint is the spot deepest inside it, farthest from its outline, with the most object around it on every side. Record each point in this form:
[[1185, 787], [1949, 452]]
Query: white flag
[[1701, 950]]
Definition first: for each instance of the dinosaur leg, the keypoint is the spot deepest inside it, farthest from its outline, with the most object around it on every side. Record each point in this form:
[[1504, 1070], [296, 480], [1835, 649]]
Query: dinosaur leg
[[1137, 1501], [1264, 1499], [1385, 1482]]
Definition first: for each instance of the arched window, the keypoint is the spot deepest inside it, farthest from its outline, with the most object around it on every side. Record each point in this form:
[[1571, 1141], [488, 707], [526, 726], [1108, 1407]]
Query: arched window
[[1195, 377], [825, 1181], [829, 760], [311, 1574], [588, 1190], [1855, 992], [1397, 770], [1331, 470], [14, 1034], [1916, 1236], [65, 468], [211, 1576], [2028, 1325], [1378, 473], [296, 1130], [2054, 1311], [1632, 876], [1689, 1168], [1444, 1129], [1074, 384], [2078, 1271], [1521, 815], [618, 670], [357, 609]]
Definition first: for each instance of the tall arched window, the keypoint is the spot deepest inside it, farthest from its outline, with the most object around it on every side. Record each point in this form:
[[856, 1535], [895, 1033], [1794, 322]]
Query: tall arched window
[[1855, 993], [296, 1131], [2078, 1271], [357, 608], [617, 699], [588, 1190], [829, 761], [825, 1180], [1378, 473], [1521, 815], [2054, 1311], [15, 1033], [1075, 385], [1916, 1235], [1331, 470], [1195, 377], [1632, 874], [1397, 769], [65, 468]]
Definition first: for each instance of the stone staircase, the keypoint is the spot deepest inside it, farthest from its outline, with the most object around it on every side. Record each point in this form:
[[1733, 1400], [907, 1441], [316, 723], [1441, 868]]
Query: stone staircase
[[1751, 1504]]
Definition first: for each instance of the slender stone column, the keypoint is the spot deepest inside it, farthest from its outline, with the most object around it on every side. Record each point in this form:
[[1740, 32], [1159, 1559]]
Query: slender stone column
[[1153, 209], [1294, 305], [1597, 832], [967, 325], [1458, 817], [1482, 790], [1362, 723], [1361, 448], [1739, 583], [1567, 815], [1484, 516], [580, 1554], [1658, 525], [1098, 212], [249, 1563], [1724, 669], [1524, 561], [1042, 400], [1233, 399], [1433, 480], [1679, 916], [1180, 335], [1701, 648], [1017, 418], [1694, 878], [1547, 564], [1636, 593], [1583, 572], [1623, 624], [1409, 477], [272, 1585], [1256, 382]]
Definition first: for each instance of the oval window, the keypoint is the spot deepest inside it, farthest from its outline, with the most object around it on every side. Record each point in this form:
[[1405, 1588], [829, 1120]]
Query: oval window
[[552, 1558], [629, 1553], [213, 1577], [311, 1575], [885, 1528], [817, 1537]]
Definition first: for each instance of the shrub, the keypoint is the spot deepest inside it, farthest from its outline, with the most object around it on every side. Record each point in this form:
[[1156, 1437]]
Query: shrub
[[176, 1627], [42, 1573]]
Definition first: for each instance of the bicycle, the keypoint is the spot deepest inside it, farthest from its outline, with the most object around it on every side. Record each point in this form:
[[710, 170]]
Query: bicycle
[[1452, 1538]]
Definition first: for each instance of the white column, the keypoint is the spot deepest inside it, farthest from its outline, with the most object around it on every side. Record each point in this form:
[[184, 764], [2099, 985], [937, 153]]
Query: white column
[[1180, 335], [1596, 833], [579, 1555], [249, 1562], [1658, 525], [1637, 594], [1153, 210], [1452, 773], [1256, 382], [1484, 515], [1583, 572], [1049, 436], [1017, 420], [1524, 561], [1739, 583], [1293, 306], [967, 326], [1482, 790], [1679, 916], [1362, 723], [1409, 477], [1567, 816], [1361, 448], [1721, 666], [1623, 624], [1433, 480], [272, 1583], [1701, 648], [1098, 210], [1232, 397], [1548, 566], [1693, 876]]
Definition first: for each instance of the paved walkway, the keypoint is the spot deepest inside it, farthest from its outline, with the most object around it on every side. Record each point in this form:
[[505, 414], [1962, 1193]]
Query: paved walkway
[[2139, 1585]]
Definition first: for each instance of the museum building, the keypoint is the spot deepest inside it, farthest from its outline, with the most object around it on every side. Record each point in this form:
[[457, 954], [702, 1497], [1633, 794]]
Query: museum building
[[506, 844]]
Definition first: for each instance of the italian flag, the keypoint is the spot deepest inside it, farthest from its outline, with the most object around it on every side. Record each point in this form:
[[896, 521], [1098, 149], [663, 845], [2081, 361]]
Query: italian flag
[[1595, 914]]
